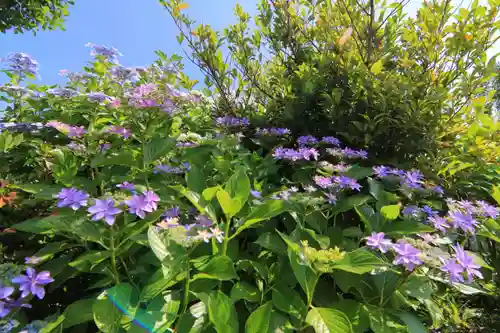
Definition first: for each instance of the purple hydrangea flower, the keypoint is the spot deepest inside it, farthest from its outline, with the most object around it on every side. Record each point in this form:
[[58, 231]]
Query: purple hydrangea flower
[[32, 260], [204, 235], [438, 189], [76, 131], [32, 283], [77, 147], [218, 234], [454, 269], [229, 121], [165, 168], [139, 206], [439, 223], [121, 131], [348, 153], [295, 155], [467, 262], [6, 291], [109, 53], [341, 167], [428, 210], [126, 186], [413, 179], [151, 198], [172, 212], [306, 140], [6, 307], [204, 221], [98, 97], [256, 194], [407, 255], [170, 222], [467, 206], [323, 182], [72, 197], [63, 92], [486, 210], [22, 64], [381, 171], [347, 182], [331, 140], [331, 198], [104, 210], [186, 144], [272, 131], [397, 172], [412, 211], [463, 221], [121, 73], [378, 241]]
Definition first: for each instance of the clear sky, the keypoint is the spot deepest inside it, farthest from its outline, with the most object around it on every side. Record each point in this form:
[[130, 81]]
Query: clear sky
[[135, 27]]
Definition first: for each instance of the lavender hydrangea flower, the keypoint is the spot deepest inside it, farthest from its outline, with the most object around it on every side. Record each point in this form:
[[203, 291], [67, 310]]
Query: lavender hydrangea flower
[[58, 126], [121, 131], [109, 53], [32, 260], [204, 235], [218, 234], [341, 167], [381, 171], [126, 186], [295, 155], [331, 198], [439, 223], [272, 131], [204, 221], [467, 206], [413, 179], [486, 210], [77, 147], [170, 222], [347, 182], [347, 153], [256, 194], [72, 197], [323, 182], [32, 283], [454, 269], [438, 189], [98, 97], [331, 140], [137, 205], [407, 255], [172, 212], [229, 121], [6, 291], [22, 64], [76, 131], [378, 241], [411, 211], [467, 262], [151, 198], [63, 92], [104, 210], [306, 140], [429, 211], [463, 221], [165, 168]]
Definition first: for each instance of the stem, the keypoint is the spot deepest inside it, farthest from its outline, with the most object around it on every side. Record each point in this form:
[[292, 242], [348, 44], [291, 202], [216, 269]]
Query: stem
[[186, 292], [226, 237], [113, 257]]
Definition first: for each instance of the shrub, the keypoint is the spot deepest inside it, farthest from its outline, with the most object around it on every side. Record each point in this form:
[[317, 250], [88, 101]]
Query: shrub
[[156, 216]]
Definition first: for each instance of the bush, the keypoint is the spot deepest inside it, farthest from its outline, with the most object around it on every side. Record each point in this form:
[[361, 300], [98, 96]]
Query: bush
[[154, 215]]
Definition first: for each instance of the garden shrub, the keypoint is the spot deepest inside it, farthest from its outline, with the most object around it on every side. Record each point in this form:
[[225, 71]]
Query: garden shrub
[[154, 215]]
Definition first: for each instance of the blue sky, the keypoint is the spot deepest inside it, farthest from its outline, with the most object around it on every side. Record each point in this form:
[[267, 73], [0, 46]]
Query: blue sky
[[135, 27]]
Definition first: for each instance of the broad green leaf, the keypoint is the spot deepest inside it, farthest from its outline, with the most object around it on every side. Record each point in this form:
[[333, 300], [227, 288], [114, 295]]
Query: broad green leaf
[[380, 322], [272, 242], [78, 312], [359, 261], [157, 148], [229, 205], [49, 250], [289, 301], [194, 320], [218, 268], [413, 324], [259, 321], [222, 313], [106, 316], [244, 290], [263, 212], [161, 280], [54, 325], [358, 172], [210, 192], [369, 217], [377, 67], [90, 259], [159, 314], [125, 158], [375, 188], [390, 212], [195, 179], [39, 191], [325, 320], [350, 202], [238, 186], [495, 193], [157, 244], [197, 201], [406, 228]]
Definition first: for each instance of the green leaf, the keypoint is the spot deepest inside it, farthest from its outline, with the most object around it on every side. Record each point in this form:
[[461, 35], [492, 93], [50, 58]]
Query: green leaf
[[326, 320], [375, 188], [289, 301], [358, 172], [265, 211], [106, 316], [195, 179], [413, 324], [350, 202], [377, 67], [161, 280], [157, 148], [125, 158], [495, 193], [218, 268], [244, 290], [259, 321], [369, 217], [90, 259], [229, 205], [222, 313], [406, 228], [159, 315], [238, 186], [79, 312], [390, 212], [39, 191], [272, 242], [209, 193], [380, 322], [194, 320], [359, 262], [156, 243]]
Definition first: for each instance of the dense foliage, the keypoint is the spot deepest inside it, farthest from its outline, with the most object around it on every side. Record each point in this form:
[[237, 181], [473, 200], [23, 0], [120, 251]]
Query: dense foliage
[[32, 15], [130, 202]]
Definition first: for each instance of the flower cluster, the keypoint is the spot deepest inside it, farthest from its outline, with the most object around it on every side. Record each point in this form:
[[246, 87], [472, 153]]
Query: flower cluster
[[272, 131], [229, 121], [104, 210], [340, 182], [165, 168], [348, 153], [142, 204], [109, 53], [21, 64], [121, 131], [201, 230], [460, 266], [306, 140], [331, 140], [63, 92], [290, 154], [405, 253]]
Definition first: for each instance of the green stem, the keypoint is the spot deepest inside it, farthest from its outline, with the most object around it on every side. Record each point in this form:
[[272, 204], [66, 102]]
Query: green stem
[[113, 257], [186, 292], [226, 237]]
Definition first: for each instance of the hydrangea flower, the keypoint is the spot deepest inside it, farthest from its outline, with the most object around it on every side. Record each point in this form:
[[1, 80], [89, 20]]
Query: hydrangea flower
[[63, 92], [406, 255], [341, 167], [98, 97], [467, 262], [170, 222], [272, 131], [33, 282], [32, 260], [58, 126], [454, 269], [109, 53], [104, 210], [331, 140], [323, 182], [306, 140], [76, 131], [463, 221], [172, 212], [378, 241], [439, 223], [256, 194], [151, 199], [165, 168], [467, 206], [411, 211], [413, 179], [348, 153], [486, 210], [77, 147], [204, 221], [218, 234], [229, 121], [121, 131], [126, 186], [142, 204], [6, 291], [295, 155], [204, 235], [347, 182], [72, 197], [381, 171], [428, 210], [438, 189], [331, 198], [22, 64]]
